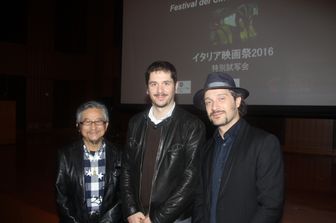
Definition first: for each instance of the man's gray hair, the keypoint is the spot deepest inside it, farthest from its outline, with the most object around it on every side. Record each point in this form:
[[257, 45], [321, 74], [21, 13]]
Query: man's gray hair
[[91, 104]]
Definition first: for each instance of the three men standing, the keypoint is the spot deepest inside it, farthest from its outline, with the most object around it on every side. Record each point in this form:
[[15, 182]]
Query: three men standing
[[241, 174]]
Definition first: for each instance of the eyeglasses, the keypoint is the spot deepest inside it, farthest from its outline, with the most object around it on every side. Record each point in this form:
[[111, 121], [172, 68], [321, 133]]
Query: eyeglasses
[[89, 123]]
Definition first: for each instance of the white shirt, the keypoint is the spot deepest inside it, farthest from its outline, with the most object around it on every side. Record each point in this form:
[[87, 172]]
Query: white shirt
[[156, 120]]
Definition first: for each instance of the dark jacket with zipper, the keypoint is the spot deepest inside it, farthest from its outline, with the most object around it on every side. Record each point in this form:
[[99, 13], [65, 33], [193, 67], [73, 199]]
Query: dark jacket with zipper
[[176, 166], [70, 186]]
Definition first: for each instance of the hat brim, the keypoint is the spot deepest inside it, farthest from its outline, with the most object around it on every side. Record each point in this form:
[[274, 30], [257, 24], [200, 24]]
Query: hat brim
[[198, 99]]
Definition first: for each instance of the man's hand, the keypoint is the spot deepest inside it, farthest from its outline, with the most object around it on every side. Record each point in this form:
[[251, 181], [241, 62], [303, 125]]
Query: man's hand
[[147, 220], [136, 218]]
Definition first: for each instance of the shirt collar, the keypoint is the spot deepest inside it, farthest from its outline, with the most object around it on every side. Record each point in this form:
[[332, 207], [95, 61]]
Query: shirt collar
[[99, 151], [156, 120], [232, 132]]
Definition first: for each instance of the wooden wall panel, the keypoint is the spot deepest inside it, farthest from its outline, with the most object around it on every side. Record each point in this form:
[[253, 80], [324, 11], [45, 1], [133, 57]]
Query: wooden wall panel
[[310, 158], [8, 117], [309, 136], [309, 172]]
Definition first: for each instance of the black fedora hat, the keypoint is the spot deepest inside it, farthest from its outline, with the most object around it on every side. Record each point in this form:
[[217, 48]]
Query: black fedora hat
[[218, 80]]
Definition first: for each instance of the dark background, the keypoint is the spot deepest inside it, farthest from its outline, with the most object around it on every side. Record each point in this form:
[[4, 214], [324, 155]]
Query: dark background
[[57, 54]]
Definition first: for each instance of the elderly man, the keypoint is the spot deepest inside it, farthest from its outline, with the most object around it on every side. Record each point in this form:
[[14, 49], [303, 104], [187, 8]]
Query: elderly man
[[88, 171], [242, 173]]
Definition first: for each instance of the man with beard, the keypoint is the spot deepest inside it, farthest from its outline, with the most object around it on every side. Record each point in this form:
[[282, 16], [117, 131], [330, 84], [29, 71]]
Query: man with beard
[[242, 171], [161, 162]]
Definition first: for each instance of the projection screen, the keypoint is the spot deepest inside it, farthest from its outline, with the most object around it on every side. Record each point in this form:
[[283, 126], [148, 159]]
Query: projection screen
[[283, 52]]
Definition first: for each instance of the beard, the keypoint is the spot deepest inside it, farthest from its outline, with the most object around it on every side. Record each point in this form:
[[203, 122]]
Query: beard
[[225, 117], [96, 142], [219, 122]]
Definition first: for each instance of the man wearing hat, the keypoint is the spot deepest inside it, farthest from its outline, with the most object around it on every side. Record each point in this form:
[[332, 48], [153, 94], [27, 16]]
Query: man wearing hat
[[242, 171]]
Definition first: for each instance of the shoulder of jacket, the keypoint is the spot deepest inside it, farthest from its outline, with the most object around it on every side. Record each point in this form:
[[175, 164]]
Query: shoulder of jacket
[[70, 151], [184, 114], [139, 116], [68, 146], [258, 133], [71, 147]]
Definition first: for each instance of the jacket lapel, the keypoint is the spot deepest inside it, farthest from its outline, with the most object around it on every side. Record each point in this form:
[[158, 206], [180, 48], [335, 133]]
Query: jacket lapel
[[236, 148], [209, 171], [108, 165], [79, 167]]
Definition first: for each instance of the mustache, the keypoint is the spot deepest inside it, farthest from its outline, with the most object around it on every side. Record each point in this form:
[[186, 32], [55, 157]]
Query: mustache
[[216, 112], [162, 94]]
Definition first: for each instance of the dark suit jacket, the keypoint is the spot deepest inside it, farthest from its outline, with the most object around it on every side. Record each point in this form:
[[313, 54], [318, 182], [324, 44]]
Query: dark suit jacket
[[70, 186], [252, 182]]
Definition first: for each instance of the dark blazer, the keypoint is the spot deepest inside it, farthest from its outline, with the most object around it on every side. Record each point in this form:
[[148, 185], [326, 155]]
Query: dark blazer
[[70, 185], [252, 186]]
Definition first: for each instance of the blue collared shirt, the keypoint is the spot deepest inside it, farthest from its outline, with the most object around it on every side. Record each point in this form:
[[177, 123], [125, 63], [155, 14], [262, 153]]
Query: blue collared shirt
[[221, 152]]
